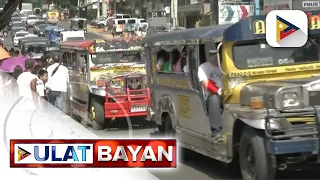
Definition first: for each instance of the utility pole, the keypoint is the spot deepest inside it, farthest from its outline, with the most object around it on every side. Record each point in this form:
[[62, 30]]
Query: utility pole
[[104, 8], [114, 7], [214, 7], [98, 9]]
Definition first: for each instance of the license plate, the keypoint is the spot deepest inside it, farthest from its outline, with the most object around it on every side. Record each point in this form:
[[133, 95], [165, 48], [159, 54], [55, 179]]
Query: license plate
[[138, 108]]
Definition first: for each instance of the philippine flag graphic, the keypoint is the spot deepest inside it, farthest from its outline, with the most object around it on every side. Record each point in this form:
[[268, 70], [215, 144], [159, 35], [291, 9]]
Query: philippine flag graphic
[[286, 28]]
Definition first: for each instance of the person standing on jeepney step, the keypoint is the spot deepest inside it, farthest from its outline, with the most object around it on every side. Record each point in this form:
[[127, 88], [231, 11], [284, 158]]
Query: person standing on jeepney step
[[209, 76], [58, 77]]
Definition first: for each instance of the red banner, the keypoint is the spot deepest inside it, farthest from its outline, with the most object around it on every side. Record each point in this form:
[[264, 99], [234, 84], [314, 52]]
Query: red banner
[[84, 153]]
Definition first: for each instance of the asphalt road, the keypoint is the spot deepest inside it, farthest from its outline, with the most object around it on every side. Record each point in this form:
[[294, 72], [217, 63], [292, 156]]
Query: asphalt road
[[192, 166]]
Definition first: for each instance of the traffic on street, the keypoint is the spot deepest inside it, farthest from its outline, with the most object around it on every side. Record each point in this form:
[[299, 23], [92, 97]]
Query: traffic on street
[[239, 108]]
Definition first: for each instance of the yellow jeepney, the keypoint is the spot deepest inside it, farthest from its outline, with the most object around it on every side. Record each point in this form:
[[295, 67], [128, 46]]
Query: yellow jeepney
[[53, 16], [269, 95]]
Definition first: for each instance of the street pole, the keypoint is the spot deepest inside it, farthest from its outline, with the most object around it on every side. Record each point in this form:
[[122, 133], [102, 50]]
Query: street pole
[[114, 7], [214, 6], [104, 8], [98, 9]]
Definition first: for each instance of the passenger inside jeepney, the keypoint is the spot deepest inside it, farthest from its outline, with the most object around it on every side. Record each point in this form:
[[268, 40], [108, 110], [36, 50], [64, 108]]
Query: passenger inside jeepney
[[175, 57], [163, 61], [181, 64], [209, 76]]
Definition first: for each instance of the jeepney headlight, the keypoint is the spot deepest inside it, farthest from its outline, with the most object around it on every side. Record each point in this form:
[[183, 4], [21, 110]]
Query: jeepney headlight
[[290, 100]]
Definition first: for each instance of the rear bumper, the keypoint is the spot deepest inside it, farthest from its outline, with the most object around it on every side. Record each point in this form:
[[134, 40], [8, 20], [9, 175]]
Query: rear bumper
[[122, 105], [122, 110]]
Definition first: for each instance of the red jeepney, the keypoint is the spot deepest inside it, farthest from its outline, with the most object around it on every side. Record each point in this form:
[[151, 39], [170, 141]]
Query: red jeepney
[[107, 80]]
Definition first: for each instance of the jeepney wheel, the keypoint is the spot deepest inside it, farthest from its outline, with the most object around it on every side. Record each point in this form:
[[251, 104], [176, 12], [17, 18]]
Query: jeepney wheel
[[96, 115], [168, 129], [255, 162]]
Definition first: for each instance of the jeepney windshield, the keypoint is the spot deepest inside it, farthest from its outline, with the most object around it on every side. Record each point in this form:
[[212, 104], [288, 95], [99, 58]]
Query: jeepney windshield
[[260, 54], [36, 48], [116, 57]]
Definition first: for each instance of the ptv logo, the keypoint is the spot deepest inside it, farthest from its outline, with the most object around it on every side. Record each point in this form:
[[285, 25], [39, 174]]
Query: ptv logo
[[22, 153], [54, 153]]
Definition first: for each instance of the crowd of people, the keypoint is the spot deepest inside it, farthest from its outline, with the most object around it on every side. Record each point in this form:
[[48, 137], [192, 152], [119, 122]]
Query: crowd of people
[[45, 79], [12, 52]]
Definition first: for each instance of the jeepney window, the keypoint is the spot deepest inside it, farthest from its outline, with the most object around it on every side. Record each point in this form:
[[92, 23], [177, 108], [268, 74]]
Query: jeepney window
[[69, 59], [121, 21], [131, 21], [163, 61], [260, 54]]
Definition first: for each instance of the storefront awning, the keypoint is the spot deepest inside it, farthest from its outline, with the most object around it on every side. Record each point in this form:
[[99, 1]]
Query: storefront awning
[[190, 9]]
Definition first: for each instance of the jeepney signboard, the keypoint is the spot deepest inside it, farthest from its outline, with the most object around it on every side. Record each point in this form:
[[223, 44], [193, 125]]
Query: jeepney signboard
[[255, 28], [259, 26], [102, 45]]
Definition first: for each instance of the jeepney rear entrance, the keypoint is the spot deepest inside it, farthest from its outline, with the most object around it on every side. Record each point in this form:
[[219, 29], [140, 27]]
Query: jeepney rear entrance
[[113, 86]]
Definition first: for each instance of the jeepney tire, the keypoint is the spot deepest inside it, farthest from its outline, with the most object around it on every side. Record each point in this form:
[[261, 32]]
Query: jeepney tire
[[168, 129], [99, 123], [265, 165]]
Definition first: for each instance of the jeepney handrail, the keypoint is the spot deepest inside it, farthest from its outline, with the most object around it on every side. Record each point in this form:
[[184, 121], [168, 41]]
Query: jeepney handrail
[[218, 57]]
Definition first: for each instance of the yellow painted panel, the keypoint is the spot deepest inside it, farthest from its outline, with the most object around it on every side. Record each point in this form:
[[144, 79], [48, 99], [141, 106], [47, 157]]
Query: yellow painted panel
[[184, 106]]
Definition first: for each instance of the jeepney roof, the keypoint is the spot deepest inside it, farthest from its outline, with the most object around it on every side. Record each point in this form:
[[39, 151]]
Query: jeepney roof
[[35, 43], [250, 28], [105, 44], [78, 43], [253, 27], [188, 35], [36, 39]]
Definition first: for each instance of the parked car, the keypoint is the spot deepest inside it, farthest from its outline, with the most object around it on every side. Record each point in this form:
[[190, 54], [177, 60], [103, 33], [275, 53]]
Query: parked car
[[95, 21], [18, 35], [16, 29], [31, 20], [13, 20], [36, 26], [155, 29], [41, 31], [141, 31], [103, 23]]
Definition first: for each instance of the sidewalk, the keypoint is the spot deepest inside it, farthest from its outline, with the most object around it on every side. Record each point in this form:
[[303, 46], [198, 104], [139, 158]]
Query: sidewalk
[[99, 32]]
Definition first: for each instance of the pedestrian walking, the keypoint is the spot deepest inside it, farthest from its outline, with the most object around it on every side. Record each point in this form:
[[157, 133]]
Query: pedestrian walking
[[41, 89], [57, 84], [27, 85], [36, 69], [11, 52], [16, 53], [17, 71]]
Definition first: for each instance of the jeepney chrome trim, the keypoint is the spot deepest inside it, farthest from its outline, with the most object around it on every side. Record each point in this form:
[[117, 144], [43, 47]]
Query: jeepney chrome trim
[[282, 90], [247, 113], [99, 91], [305, 96], [260, 123]]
